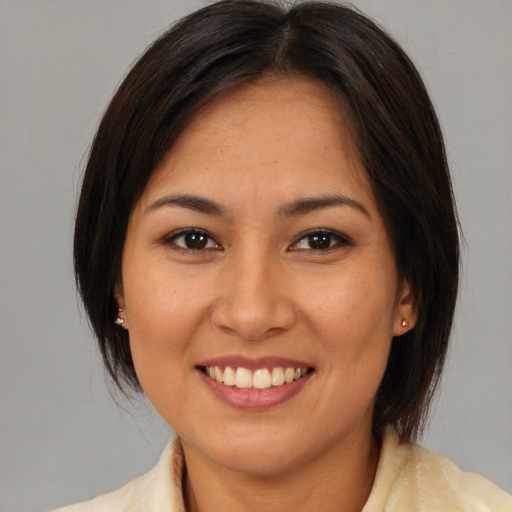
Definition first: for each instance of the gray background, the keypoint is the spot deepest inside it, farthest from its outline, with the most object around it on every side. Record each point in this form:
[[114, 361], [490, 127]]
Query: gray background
[[62, 438]]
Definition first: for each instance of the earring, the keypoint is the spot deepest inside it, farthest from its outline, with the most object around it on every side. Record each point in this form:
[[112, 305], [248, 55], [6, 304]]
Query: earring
[[405, 323], [120, 321]]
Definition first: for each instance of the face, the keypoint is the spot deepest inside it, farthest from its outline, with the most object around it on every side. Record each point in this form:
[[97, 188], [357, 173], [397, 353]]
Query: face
[[259, 285]]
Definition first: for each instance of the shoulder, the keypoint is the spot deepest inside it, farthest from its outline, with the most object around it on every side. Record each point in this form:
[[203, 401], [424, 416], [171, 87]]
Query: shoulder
[[434, 479], [158, 490], [123, 499], [411, 477]]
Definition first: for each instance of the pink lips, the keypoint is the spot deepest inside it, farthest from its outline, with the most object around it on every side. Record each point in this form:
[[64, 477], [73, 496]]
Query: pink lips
[[251, 398]]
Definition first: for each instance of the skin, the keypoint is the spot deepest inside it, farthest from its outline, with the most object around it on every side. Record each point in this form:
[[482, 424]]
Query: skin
[[257, 289]]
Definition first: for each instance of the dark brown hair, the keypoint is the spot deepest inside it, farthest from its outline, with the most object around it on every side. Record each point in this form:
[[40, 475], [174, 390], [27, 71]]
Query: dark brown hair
[[396, 131]]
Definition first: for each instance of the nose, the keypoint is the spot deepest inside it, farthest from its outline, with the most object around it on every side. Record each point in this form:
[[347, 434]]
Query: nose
[[253, 302]]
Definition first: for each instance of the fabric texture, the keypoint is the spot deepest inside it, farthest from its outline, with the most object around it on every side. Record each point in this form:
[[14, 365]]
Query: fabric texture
[[409, 478]]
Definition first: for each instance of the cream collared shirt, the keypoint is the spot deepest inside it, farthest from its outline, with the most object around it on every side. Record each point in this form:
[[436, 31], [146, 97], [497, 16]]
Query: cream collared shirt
[[409, 478]]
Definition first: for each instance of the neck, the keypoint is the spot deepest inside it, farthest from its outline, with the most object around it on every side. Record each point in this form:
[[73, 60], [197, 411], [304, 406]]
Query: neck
[[340, 479]]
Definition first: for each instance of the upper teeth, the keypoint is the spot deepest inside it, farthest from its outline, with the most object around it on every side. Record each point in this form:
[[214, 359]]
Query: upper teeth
[[261, 379]]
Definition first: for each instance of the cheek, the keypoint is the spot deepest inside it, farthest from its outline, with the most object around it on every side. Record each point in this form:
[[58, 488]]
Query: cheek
[[160, 298], [354, 307], [352, 318], [164, 312]]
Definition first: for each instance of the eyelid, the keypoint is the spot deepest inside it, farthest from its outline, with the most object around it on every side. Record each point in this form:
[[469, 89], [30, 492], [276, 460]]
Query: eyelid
[[170, 238], [343, 240]]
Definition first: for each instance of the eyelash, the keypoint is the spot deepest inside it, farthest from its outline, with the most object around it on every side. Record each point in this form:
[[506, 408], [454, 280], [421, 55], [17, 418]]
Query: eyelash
[[202, 236], [205, 242], [322, 236]]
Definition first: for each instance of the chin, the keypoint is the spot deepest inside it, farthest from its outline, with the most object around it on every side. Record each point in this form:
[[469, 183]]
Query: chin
[[252, 453], [257, 462]]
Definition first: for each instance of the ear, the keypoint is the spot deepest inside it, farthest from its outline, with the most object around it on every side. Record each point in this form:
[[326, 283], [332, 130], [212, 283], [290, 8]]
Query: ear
[[406, 311], [119, 296]]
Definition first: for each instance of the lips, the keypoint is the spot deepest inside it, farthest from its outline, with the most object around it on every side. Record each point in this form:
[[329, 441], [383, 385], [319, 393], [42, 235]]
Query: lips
[[254, 384]]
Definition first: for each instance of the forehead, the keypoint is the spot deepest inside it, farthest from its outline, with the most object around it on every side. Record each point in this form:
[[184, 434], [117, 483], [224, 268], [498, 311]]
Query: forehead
[[273, 130], [275, 110]]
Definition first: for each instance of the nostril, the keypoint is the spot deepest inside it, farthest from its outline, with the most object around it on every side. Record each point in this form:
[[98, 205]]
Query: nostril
[[253, 320]]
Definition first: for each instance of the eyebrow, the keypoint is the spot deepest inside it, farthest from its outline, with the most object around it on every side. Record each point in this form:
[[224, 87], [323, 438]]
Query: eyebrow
[[195, 203], [298, 207], [309, 204]]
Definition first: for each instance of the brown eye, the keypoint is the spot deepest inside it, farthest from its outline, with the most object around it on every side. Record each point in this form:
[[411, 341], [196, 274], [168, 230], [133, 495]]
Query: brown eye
[[193, 240], [320, 240]]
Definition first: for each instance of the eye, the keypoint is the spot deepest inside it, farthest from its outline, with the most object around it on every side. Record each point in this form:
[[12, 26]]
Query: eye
[[320, 240], [192, 240]]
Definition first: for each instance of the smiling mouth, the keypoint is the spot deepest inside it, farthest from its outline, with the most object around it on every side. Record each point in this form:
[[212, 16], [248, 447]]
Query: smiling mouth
[[262, 378]]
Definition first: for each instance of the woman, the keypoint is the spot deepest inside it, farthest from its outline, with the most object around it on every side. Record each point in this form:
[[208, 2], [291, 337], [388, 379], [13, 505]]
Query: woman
[[266, 244]]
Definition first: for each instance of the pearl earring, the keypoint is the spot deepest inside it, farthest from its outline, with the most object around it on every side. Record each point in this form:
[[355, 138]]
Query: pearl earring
[[120, 321]]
